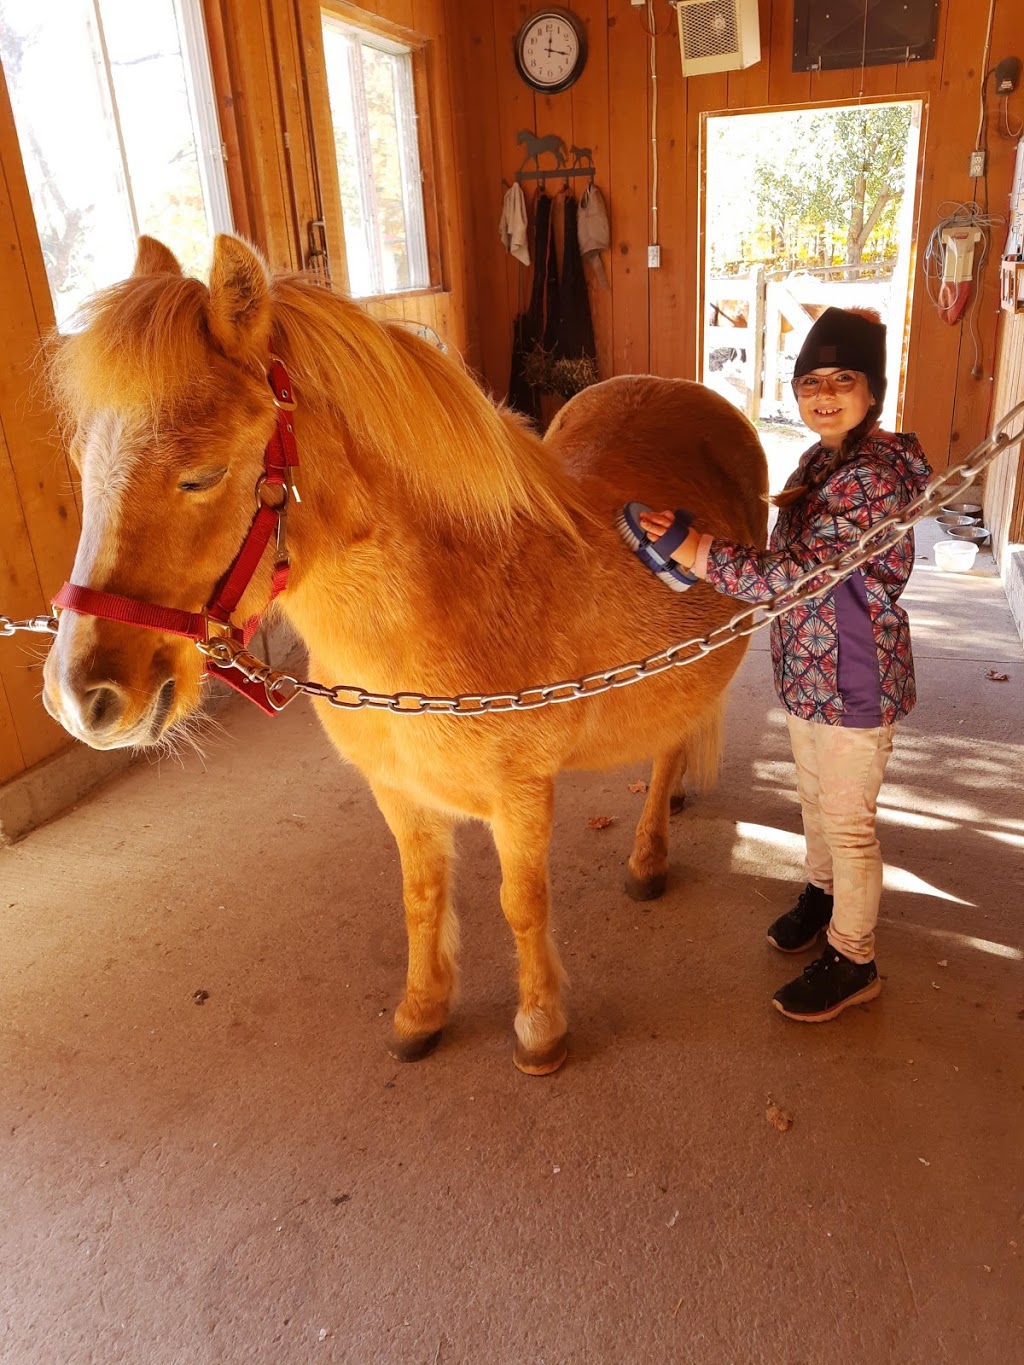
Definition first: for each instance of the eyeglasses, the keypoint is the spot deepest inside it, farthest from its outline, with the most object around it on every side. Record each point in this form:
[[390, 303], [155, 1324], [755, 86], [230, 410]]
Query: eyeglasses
[[810, 385]]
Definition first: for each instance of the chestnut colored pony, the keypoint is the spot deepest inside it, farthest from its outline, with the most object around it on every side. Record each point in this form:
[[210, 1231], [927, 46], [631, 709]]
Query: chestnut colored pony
[[439, 547]]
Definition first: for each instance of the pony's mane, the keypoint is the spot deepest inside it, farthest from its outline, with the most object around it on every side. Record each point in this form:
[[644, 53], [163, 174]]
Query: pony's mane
[[144, 345], [417, 410]]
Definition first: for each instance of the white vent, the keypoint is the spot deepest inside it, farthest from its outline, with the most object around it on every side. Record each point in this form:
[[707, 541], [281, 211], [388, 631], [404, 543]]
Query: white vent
[[718, 35]]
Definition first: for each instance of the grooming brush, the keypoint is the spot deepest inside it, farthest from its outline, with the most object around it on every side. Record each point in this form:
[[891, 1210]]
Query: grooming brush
[[656, 555]]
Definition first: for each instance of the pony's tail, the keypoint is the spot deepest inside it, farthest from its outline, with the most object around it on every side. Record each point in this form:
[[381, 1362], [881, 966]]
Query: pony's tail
[[703, 748]]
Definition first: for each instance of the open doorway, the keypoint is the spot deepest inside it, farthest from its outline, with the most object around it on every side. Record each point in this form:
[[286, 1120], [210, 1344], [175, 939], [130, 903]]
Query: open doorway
[[803, 209]]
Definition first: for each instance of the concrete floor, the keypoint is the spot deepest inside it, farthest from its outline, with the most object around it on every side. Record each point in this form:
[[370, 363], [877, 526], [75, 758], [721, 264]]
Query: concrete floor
[[253, 1178]]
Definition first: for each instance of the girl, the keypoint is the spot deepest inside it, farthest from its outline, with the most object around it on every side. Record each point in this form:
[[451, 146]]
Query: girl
[[842, 662]]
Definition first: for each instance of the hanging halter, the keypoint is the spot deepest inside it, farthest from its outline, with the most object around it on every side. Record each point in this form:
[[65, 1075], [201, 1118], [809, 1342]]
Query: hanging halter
[[279, 457]]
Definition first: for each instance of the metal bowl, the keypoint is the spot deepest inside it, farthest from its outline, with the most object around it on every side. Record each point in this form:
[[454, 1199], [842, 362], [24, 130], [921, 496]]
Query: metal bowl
[[951, 519], [977, 534], [963, 509]]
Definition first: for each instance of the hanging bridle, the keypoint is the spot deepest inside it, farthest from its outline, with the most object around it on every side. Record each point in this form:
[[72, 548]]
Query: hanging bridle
[[279, 458]]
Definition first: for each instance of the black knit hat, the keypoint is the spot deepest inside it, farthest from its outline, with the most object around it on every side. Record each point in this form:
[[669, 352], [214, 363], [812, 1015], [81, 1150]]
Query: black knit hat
[[842, 338]]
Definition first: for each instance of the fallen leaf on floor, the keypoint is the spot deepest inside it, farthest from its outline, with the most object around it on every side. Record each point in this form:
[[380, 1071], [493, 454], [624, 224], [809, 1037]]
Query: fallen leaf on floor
[[778, 1118], [936, 986], [993, 676], [637, 787], [200, 997], [672, 1221], [601, 821], [943, 962], [923, 1162]]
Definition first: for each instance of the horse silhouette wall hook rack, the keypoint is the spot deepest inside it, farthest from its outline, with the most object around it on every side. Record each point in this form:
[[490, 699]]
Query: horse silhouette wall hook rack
[[551, 144]]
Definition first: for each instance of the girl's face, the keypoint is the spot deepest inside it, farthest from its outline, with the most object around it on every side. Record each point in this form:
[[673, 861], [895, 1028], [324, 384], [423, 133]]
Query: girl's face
[[832, 402]]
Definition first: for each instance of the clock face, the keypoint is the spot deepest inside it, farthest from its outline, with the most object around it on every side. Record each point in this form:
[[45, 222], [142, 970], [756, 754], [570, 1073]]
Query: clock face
[[550, 50]]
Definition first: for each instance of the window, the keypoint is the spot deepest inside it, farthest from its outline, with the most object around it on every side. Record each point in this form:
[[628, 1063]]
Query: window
[[373, 109], [116, 118]]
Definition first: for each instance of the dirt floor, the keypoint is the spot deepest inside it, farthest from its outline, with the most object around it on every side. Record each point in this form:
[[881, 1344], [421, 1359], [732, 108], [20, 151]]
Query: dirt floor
[[208, 1155]]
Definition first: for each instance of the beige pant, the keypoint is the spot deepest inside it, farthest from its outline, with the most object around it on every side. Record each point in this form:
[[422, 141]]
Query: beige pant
[[838, 775]]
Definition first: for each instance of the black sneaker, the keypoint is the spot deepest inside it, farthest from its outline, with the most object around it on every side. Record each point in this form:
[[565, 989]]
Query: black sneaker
[[799, 928], [827, 987]]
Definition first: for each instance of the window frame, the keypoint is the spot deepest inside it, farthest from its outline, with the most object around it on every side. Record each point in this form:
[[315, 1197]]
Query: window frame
[[418, 46], [198, 72]]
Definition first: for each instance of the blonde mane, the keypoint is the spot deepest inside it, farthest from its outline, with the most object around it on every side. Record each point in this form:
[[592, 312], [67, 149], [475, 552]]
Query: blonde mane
[[145, 345]]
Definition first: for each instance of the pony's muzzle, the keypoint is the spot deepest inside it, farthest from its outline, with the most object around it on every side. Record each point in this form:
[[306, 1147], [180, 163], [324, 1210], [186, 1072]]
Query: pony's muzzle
[[94, 706]]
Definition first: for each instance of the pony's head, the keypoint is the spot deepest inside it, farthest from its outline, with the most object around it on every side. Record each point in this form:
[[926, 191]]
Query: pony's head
[[165, 398]]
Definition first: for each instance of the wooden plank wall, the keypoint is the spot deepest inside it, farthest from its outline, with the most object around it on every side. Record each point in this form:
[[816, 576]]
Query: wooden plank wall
[[1004, 485], [39, 518], [649, 318]]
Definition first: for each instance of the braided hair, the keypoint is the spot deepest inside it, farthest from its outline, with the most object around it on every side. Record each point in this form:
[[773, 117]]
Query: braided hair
[[846, 450]]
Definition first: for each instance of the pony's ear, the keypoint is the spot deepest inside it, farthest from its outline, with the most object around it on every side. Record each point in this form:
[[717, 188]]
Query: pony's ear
[[154, 259], [239, 312]]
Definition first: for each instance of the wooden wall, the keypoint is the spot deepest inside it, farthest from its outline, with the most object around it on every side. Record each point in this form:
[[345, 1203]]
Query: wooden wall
[[39, 519], [648, 319], [1004, 485]]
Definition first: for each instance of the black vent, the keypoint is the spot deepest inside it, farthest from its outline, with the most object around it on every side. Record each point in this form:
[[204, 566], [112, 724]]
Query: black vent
[[709, 30], [846, 34]]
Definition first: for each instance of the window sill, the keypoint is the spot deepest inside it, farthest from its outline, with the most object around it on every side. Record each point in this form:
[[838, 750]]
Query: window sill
[[400, 294]]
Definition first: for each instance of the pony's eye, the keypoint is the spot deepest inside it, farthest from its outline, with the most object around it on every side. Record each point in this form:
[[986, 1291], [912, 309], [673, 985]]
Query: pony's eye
[[200, 483]]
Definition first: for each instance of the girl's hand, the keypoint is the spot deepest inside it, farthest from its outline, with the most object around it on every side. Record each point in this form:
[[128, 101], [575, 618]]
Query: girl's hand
[[657, 523]]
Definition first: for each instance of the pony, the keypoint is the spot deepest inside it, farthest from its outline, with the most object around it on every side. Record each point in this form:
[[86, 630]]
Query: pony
[[440, 546]]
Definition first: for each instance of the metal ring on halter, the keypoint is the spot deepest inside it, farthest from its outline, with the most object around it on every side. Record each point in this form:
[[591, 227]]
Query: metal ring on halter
[[274, 506]]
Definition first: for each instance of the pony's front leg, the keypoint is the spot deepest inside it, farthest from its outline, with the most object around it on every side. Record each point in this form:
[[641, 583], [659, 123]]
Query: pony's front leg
[[648, 863], [425, 846], [521, 825]]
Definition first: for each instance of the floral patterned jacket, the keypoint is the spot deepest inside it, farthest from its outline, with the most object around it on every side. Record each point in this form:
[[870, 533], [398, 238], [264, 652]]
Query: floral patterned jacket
[[843, 658]]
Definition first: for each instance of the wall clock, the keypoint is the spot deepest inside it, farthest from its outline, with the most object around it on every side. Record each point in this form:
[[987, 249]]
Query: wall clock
[[551, 50]]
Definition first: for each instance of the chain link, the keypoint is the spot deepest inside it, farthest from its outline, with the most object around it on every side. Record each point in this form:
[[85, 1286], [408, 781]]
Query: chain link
[[284, 687]]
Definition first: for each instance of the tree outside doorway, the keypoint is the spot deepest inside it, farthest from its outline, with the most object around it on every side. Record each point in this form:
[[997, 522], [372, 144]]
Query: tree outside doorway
[[803, 209]]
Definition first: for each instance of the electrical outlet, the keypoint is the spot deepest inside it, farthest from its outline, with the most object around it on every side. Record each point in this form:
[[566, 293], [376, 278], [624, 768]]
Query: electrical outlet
[[977, 166], [653, 257]]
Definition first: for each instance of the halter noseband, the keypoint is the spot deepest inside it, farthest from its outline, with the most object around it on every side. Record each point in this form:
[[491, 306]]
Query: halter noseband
[[279, 457]]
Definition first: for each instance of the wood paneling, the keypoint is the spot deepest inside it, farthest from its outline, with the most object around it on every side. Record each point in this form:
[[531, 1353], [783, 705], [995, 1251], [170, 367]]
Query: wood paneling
[[39, 521], [649, 320]]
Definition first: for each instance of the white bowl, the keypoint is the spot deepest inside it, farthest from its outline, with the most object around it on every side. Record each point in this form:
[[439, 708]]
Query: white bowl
[[955, 556]]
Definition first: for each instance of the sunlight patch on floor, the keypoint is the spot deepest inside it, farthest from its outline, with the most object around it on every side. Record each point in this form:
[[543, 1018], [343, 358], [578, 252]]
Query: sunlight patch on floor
[[951, 936], [894, 878]]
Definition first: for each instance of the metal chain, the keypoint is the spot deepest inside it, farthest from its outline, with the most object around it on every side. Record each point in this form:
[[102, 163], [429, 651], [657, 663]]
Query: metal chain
[[284, 687]]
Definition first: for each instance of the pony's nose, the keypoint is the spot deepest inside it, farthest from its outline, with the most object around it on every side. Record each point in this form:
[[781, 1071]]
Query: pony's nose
[[103, 705]]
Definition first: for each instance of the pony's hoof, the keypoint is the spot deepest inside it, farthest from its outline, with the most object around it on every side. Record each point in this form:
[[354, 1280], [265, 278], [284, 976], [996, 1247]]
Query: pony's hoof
[[677, 803], [415, 1048], [543, 1061], [645, 888]]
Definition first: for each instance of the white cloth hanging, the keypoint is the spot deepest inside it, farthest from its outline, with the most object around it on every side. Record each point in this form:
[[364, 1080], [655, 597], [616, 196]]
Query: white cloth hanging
[[513, 227], [593, 231]]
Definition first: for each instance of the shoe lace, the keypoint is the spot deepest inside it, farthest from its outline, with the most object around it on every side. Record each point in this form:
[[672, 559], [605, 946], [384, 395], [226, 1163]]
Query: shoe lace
[[822, 964]]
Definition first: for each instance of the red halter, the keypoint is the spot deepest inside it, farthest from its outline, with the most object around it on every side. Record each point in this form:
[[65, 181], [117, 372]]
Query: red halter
[[279, 457]]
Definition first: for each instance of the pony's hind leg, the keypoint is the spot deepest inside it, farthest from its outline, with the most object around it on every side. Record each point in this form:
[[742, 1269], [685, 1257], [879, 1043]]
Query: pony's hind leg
[[425, 846], [648, 863], [521, 825]]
